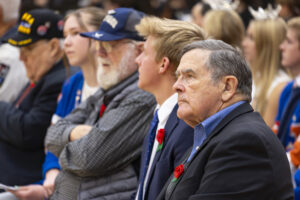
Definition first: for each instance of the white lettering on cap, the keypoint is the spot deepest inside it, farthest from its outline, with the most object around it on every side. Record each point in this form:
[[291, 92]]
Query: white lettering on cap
[[111, 21]]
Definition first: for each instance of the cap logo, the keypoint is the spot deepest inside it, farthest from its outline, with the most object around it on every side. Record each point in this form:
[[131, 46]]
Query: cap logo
[[41, 30], [27, 21], [111, 21], [98, 35], [60, 25]]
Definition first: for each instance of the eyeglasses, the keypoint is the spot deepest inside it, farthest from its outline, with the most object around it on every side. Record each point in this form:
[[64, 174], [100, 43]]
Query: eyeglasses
[[108, 46]]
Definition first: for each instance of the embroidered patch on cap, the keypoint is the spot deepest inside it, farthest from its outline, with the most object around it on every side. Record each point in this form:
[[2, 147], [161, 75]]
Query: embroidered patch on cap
[[111, 21], [25, 25], [60, 25], [41, 30]]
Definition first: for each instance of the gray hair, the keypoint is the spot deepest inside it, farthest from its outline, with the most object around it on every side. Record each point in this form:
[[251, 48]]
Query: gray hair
[[225, 60]]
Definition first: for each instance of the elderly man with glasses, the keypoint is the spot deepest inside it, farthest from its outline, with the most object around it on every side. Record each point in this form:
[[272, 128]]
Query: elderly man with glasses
[[99, 143]]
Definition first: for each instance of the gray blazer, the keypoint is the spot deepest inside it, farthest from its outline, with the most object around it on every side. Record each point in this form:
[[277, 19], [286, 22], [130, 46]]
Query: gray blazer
[[109, 148]]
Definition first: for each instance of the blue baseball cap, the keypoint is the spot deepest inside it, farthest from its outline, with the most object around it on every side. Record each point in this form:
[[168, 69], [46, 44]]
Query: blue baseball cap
[[118, 24]]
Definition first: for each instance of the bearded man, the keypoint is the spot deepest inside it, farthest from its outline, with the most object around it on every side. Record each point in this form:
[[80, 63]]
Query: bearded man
[[99, 143]]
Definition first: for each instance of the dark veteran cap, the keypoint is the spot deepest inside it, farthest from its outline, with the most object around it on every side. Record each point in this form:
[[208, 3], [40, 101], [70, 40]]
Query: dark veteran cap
[[118, 24], [37, 24]]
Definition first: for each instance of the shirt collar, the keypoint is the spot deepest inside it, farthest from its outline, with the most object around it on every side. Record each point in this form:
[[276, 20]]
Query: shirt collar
[[211, 122], [166, 108]]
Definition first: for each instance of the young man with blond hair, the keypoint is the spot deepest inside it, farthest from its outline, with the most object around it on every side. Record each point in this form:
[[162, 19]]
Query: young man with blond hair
[[288, 117], [157, 63]]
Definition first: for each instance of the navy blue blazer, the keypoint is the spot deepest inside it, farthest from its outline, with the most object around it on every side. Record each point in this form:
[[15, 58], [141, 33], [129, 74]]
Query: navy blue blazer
[[178, 138], [241, 159], [22, 129]]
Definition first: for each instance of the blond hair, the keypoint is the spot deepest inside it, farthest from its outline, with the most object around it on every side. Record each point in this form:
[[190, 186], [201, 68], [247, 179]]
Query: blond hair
[[96, 15], [225, 25], [294, 24], [268, 35], [170, 36]]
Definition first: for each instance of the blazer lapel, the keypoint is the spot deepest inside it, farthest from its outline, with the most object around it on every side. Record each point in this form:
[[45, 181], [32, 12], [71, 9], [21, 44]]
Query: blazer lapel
[[243, 108], [170, 186], [169, 127]]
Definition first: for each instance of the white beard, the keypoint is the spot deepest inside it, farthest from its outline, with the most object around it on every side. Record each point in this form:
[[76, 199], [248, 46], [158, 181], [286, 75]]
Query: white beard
[[112, 76]]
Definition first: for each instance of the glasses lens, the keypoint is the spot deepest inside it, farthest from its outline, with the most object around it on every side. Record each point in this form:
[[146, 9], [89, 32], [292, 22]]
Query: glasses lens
[[106, 46]]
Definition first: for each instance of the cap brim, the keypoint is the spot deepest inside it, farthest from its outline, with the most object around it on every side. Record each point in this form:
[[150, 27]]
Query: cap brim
[[102, 36], [20, 40]]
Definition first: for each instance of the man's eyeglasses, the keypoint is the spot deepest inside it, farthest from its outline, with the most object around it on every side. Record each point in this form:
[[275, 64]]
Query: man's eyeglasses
[[108, 46]]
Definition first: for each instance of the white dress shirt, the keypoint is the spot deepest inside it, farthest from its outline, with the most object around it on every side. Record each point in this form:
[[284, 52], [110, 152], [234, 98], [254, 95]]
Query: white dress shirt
[[163, 115]]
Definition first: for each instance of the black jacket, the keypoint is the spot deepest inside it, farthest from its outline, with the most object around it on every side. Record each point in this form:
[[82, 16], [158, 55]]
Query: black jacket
[[22, 129], [241, 159]]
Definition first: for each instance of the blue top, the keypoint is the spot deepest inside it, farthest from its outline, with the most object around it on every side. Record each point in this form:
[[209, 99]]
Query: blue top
[[202, 130], [70, 97], [294, 123]]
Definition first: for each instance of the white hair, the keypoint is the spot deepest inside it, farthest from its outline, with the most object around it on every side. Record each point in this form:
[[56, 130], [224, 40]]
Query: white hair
[[10, 9]]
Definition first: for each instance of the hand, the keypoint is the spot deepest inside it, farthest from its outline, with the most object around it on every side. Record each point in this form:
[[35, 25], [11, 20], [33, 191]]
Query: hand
[[30, 192], [50, 180], [79, 131]]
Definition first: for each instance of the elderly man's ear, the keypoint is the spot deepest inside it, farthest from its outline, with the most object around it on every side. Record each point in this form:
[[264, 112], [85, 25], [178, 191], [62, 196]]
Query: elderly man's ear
[[55, 48], [229, 84]]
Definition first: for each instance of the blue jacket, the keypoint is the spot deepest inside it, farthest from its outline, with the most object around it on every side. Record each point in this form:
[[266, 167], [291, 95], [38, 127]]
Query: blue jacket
[[294, 122]]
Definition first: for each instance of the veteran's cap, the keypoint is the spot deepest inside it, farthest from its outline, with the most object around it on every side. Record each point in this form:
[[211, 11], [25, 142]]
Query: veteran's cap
[[118, 24], [37, 24]]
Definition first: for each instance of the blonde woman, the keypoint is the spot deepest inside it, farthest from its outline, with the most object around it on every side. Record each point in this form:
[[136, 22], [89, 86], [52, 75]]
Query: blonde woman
[[225, 25], [261, 49]]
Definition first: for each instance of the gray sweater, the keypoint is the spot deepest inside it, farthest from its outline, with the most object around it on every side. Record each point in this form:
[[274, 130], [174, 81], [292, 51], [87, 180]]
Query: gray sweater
[[99, 165]]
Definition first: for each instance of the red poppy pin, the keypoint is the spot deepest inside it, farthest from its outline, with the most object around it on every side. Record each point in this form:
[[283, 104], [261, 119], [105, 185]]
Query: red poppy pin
[[160, 139], [177, 172]]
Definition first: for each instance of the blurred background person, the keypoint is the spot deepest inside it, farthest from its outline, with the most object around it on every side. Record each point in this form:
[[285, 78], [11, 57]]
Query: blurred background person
[[198, 12], [12, 71], [261, 49], [289, 8], [225, 25], [288, 117]]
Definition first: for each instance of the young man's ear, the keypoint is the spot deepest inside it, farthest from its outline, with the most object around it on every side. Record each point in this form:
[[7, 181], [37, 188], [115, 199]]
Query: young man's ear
[[165, 64]]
